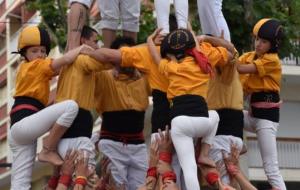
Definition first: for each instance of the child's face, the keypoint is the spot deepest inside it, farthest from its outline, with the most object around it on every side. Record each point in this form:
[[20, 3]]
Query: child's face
[[262, 46], [36, 52]]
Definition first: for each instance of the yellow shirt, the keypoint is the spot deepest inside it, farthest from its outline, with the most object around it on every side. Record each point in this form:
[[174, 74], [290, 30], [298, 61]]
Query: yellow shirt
[[186, 77], [140, 58], [225, 89], [77, 81], [268, 74], [121, 93], [33, 80]]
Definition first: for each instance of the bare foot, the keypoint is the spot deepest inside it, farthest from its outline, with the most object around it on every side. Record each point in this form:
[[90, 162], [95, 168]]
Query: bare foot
[[204, 160], [50, 156]]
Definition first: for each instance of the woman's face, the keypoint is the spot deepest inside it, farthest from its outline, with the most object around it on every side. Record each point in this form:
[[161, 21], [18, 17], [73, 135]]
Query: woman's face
[[35, 52], [262, 46]]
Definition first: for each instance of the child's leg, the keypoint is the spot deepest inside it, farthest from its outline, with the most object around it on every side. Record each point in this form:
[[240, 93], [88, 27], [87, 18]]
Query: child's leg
[[130, 15], [266, 136], [184, 129], [162, 8], [207, 140], [22, 164], [212, 19], [109, 23], [182, 11], [76, 21], [57, 117]]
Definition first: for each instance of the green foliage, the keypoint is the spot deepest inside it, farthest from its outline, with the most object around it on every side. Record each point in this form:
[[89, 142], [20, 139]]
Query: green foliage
[[147, 24], [242, 15], [53, 13]]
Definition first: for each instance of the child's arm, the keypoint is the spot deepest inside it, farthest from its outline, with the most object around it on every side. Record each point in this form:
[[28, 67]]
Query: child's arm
[[69, 57], [104, 55], [151, 46], [246, 68], [217, 41]]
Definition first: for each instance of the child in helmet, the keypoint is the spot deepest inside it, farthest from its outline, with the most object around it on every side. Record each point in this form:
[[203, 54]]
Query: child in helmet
[[263, 85], [30, 118], [188, 70]]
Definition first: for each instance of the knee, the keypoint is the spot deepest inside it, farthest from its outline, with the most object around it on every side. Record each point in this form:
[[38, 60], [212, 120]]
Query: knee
[[72, 106], [214, 116]]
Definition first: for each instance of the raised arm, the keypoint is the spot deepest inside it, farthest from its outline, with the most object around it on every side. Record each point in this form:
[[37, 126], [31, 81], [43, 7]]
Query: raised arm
[[69, 57], [217, 41], [151, 46]]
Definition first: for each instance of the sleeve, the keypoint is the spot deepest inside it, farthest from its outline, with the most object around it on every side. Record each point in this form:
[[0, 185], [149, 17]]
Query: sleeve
[[89, 64], [266, 65], [137, 57], [215, 55], [163, 67], [46, 67]]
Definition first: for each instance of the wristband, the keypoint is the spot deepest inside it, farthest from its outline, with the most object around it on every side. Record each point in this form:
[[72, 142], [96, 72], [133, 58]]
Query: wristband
[[81, 180], [170, 175], [52, 182], [65, 180], [152, 172], [166, 157], [212, 178]]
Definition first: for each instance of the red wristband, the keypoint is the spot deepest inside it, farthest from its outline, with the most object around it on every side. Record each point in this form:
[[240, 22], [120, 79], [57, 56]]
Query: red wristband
[[212, 178], [52, 182], [65, 180], [166, 157], [81, 181], [152, 172], [170, 175]]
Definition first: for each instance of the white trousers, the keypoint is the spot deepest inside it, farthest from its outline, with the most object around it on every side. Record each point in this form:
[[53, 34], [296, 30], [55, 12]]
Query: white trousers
[[23, 136], [222, 143], [266, 136], [87, 3], [112, 11], [212, 19], [129, 162], [184, 129], [162, 8], [83, 144]]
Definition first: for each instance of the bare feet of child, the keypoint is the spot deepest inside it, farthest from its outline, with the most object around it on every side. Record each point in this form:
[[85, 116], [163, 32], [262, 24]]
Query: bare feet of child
[[51, 156]]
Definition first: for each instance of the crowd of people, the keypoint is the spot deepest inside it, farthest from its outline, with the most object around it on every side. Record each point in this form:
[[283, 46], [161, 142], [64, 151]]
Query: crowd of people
[[198, 86]]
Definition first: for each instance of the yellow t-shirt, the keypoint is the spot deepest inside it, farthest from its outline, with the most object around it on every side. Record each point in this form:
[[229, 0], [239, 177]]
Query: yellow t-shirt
[[140, 58], [186, 77], [225, 89], [33, 80], [77, 81], [268, 74], [121, 93]]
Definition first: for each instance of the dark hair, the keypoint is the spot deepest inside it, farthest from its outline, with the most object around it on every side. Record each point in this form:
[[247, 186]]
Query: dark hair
[[120, 41], [87, 32]]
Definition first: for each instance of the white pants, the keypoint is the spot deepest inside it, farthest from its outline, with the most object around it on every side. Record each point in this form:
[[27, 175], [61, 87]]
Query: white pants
[[175, 165], [129, 162], [212, 19], [79, 143], [266, 136], [184, 129], [222, 143], [86, 3], [23, 138], [112, 11], [162, 8]]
